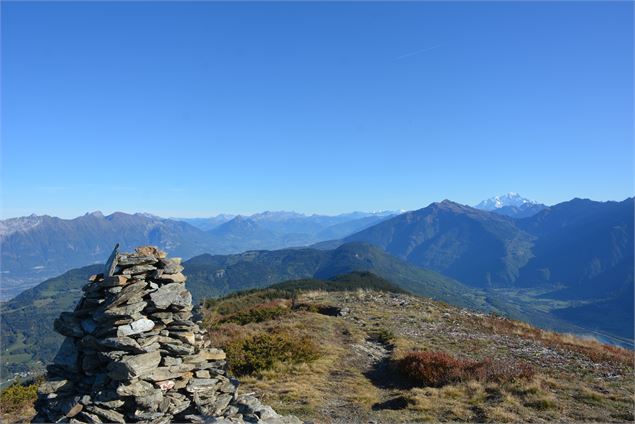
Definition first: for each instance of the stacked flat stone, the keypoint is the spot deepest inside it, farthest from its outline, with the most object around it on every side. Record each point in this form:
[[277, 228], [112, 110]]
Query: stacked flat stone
[[133, 354]]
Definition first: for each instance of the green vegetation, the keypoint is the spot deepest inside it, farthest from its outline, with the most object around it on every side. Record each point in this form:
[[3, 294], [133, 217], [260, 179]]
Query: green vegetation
[[261, 352], [16, 401], [259, 313], [211, 276], [345, 282]]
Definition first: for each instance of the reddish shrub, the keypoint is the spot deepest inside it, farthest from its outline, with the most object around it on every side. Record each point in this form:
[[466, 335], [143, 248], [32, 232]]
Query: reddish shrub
[[439, 368], [431, 368]]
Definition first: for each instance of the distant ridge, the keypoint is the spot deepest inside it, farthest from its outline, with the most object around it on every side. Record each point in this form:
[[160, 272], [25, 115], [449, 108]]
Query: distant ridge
[[35, 247]]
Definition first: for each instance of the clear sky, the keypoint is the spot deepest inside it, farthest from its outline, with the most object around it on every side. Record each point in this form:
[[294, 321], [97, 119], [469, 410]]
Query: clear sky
[[206, 107]]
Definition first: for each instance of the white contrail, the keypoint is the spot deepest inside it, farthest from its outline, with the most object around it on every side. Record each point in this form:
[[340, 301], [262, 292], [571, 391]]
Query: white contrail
[[417, 52]]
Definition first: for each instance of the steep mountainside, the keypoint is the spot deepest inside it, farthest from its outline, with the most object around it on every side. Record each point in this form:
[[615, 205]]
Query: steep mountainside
[[210, 275], [479, 248], [585, 245]]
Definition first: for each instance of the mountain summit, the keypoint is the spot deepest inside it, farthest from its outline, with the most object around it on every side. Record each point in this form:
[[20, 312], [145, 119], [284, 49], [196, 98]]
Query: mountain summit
[[512, 205], [509, 199]]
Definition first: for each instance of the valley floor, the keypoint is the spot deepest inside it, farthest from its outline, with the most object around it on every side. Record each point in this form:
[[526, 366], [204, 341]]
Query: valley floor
[[355, 380]]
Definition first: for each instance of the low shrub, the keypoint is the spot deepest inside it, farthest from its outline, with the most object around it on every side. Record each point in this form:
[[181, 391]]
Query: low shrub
[[263, 351], [260, 313], [17, 397], [431, 368], [244, 300], [439, 368]]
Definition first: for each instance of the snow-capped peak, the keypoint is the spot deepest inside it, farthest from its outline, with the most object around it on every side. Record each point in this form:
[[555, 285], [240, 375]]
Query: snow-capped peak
[[24, 223], [509, 199]]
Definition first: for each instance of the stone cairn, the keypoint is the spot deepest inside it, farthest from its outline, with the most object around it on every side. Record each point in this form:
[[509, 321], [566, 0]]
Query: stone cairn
[[133, 354]]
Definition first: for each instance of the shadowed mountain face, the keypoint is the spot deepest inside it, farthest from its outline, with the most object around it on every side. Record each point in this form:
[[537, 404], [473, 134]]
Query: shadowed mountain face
[[585, 245], [582, 244], [476, 247]]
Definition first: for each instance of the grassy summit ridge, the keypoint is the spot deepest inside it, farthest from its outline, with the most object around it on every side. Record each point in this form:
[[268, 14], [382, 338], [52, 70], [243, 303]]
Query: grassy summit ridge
[[370, 355]]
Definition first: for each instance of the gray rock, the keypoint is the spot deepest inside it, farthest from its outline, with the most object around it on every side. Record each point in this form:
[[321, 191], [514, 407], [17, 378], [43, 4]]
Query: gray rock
[[111, 263], [55, 386], [202, 374], [106, 414], [202, 384], [114, 281], [177, 348], [169, 361], [137, 388], [171, 294], [134, 366], [221, 402], [146, 416], [104, 314], [135, 327], [120, 343], [110, 404], [162, 373], [138, 269], [86, 417], [178, 402], [68, 325], [128, 260], [126, 294], [165, 317], [150, 401], [135, 354], [178, 278]]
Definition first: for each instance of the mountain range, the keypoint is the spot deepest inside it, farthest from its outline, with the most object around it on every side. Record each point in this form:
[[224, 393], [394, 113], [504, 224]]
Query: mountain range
[[569, 267], [37, 247]]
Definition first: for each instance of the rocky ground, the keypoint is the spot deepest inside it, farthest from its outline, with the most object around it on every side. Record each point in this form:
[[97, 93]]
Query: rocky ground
[[360, 335], [355, 379], [133, 354]]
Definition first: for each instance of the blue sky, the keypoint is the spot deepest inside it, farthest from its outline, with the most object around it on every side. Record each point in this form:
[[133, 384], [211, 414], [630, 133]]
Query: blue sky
[[199, 108]]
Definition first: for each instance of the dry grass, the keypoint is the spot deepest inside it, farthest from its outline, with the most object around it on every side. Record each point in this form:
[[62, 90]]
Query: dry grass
[[439, 368], [594, 350], [496, 358]]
